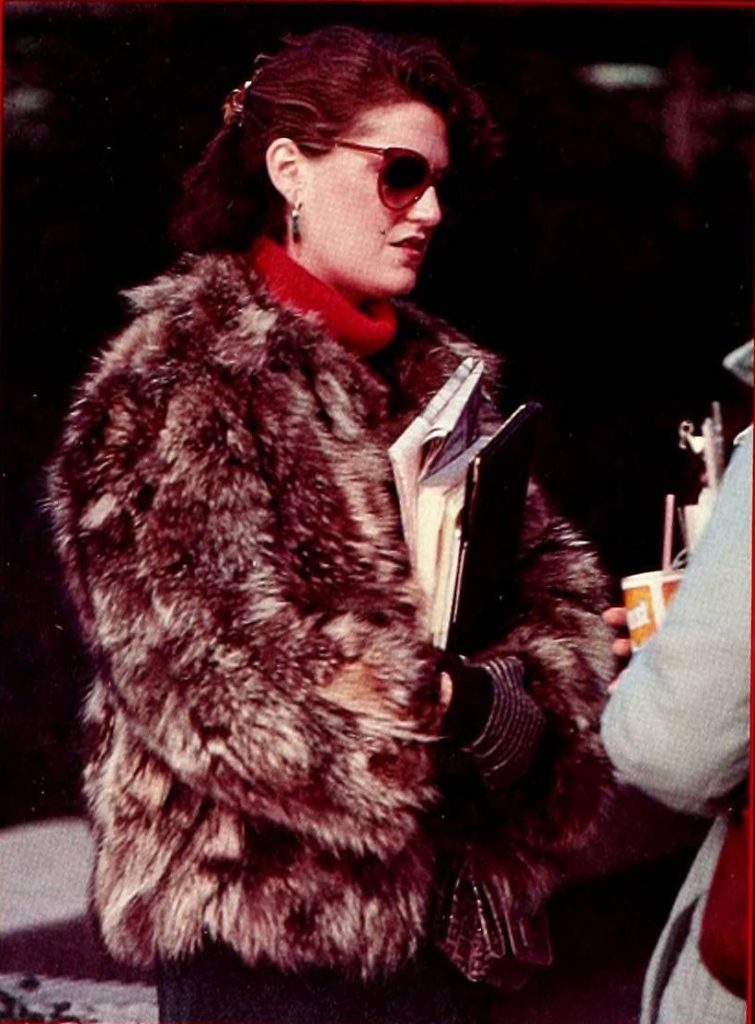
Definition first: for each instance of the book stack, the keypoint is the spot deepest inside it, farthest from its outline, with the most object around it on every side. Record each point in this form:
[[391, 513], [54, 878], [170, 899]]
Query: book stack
[[461, 477]]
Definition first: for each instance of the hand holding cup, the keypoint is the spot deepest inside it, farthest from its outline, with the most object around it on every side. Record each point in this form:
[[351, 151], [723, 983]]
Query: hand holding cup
[[647, 596]]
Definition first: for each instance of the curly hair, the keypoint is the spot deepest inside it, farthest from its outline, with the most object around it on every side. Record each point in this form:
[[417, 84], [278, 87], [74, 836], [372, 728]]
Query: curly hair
[[313, 90]]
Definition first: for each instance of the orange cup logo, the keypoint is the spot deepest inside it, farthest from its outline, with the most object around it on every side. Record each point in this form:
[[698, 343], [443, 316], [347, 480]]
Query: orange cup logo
[[640, 618]]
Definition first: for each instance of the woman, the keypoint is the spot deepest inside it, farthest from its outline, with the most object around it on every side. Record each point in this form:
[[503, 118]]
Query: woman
[[263, 776]]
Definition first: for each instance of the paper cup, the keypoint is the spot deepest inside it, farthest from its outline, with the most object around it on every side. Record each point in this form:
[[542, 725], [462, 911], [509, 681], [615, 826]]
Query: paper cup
[[647, 595]]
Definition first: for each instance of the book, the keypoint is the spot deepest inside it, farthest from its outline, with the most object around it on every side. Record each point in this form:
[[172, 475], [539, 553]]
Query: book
[[421, 447], [461, 477]]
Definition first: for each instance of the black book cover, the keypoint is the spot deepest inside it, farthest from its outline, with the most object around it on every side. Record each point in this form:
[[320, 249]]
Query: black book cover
[[496, 491]]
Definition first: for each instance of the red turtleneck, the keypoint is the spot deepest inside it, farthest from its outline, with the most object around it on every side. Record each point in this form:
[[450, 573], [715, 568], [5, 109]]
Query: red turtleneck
[[363, 331]]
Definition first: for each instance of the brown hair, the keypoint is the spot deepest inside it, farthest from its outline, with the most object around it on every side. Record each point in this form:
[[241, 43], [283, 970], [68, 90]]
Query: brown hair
[[312, 91]]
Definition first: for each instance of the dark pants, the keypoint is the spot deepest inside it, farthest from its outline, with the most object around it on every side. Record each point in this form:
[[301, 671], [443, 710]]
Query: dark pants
[[215, 987]]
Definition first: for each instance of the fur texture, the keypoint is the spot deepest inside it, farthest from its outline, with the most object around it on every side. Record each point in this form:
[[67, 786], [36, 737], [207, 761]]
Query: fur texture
[[264, 717]]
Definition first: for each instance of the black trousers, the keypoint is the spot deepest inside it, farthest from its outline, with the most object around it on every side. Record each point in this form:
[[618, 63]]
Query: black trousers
[[216, 987]]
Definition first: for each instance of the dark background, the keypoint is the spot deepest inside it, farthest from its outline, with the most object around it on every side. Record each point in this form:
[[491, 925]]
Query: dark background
[[612, 265]]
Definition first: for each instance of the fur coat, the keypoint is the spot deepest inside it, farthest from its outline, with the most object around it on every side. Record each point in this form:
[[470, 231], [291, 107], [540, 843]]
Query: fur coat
[[263, 722]]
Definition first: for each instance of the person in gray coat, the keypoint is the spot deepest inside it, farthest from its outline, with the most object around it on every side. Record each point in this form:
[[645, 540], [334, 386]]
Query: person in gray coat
[[677, 727]]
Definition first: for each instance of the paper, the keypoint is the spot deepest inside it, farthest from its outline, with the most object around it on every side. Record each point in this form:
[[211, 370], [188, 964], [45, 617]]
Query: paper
[[436, 468]]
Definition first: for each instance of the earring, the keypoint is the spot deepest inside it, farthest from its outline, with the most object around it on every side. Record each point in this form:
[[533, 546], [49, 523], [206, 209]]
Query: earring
[[295, 226]]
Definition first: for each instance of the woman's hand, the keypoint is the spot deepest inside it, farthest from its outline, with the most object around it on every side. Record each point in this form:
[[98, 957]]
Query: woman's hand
[[490, 716]]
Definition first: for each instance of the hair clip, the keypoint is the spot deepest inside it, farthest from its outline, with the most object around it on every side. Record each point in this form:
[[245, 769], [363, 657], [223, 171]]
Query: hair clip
[[233, 107]]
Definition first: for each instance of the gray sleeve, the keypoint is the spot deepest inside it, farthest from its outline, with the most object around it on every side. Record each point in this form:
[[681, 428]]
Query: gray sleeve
[[677, 725]]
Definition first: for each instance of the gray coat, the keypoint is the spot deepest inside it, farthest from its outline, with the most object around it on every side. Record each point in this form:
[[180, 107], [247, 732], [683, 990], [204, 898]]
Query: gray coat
[[677, 727]]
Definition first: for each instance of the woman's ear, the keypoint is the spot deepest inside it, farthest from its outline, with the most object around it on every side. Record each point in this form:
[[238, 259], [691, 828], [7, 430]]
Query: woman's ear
[[284, 166]]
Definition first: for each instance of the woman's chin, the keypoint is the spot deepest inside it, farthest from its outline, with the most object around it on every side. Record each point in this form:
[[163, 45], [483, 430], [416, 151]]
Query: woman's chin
[[401, 283]]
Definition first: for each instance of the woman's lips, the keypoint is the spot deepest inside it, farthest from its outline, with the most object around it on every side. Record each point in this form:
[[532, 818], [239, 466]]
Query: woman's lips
[[418, 242], [413, 247]]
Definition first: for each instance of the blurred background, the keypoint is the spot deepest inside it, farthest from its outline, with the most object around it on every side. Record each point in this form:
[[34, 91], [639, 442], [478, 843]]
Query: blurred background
[[612, 262]]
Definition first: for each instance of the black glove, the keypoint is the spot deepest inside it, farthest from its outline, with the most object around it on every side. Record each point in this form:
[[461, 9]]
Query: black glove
[[492, 718]]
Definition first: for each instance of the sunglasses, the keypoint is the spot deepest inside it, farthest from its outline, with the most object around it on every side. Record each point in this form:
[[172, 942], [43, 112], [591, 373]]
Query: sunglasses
[[404, 175]]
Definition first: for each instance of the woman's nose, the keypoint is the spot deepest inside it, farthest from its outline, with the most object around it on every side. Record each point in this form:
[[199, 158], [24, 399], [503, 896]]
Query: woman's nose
[[427, 209]]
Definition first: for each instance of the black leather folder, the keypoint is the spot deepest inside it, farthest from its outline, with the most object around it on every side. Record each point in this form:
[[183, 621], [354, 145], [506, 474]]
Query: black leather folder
[[496, 491]]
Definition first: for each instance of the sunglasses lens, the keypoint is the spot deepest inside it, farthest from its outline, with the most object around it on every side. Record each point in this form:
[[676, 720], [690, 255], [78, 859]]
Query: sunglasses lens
[[403, 178]]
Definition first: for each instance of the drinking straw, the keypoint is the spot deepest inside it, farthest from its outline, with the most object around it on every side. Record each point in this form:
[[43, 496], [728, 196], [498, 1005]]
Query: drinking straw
[[668, 532]]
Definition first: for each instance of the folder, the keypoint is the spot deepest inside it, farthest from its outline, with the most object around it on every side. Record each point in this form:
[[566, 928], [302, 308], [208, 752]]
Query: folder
[[490, 529], [461, 478]]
